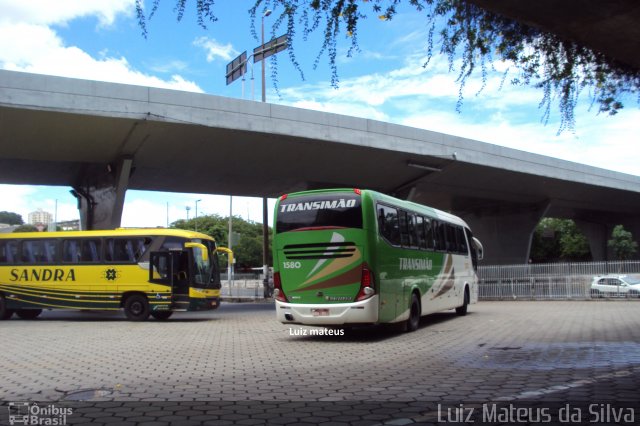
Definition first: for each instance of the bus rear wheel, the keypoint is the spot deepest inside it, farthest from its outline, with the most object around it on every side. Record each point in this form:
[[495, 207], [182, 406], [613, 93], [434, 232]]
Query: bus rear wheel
[[136, 308], [161, 315], [4, 312], [28, 314], [414, 314]]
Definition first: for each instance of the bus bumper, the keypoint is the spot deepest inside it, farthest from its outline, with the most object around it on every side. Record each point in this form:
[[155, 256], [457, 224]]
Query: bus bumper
[[363, 312]]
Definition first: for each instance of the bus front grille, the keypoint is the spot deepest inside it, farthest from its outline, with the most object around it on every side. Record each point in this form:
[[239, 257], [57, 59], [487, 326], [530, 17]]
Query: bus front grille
[[319, 250]]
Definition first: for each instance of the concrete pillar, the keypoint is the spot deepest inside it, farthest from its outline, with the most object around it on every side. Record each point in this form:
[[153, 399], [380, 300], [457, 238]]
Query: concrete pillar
[[506, 232], [597, 234], [100, 192]]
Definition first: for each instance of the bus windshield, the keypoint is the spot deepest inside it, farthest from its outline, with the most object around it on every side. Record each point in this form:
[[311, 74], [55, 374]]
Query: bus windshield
[[321, 211], [206, 271]]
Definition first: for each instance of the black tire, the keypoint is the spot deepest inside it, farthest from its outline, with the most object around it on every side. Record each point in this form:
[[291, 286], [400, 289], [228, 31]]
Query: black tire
[[414, 314], [136, 308], [161, 315], [595, 293], [5, 313], [462, 310], [28, 314]]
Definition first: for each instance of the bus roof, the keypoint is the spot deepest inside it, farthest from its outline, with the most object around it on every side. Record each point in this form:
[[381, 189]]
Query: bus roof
[[119, 232], [391, 200]]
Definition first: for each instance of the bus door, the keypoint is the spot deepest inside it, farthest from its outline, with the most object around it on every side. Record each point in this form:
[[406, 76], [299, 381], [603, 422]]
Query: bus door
[[171, 268]]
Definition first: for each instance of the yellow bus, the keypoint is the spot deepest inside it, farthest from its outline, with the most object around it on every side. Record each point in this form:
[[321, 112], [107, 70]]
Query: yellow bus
[[142, 271]]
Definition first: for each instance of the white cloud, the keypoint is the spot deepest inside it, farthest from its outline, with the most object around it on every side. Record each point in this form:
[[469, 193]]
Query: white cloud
[[500, 114], [47, 12], [215, 50], [29, 43]]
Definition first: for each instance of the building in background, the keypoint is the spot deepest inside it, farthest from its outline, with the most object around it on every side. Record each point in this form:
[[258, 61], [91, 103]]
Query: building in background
[[39, 217], [69, 225]]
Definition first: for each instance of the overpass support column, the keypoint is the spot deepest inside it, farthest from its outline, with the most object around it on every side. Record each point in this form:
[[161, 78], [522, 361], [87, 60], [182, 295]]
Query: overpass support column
[[597, 234], [101, 192], [506, 234]]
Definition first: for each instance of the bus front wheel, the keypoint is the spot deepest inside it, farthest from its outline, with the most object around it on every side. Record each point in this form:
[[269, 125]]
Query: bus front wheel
[[462, 310], [136, 307], [161, 315], [28, 314], [4, 312]]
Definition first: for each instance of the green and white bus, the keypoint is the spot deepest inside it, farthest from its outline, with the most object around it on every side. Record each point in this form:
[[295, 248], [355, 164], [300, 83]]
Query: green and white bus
[[347, 256]]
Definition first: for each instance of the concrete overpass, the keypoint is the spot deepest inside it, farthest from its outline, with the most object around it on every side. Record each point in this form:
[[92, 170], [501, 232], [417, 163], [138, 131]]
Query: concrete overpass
[[102, 138]]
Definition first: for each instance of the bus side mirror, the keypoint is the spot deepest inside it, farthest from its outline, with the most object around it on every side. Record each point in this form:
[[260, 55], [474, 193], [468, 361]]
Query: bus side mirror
[[228, 251], [203, 250], [479, 248]]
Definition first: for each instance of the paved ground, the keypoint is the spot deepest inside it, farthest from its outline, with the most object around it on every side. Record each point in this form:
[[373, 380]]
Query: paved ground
[[237, 365]]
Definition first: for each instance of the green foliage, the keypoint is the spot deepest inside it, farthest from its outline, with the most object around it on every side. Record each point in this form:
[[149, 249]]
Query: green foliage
[[247, 251], [622, 243], [26, 228], [561, 69], [559, 240], [11, 218]]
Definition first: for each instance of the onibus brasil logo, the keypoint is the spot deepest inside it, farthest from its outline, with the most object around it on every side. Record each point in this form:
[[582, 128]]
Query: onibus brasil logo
[[30, 413]]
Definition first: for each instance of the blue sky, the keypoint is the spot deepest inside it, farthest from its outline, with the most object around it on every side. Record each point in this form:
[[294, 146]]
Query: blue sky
[[385, 80]]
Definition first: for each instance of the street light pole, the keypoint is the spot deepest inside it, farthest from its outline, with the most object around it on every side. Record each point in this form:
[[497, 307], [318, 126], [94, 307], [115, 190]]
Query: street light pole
[[196, 220], [265, 215], [264, 15]]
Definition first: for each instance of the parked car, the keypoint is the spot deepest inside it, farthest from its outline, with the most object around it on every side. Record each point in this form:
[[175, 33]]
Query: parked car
[[615, 286]]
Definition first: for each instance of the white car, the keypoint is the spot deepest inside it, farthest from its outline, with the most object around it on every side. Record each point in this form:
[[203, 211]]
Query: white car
[[615, 286]]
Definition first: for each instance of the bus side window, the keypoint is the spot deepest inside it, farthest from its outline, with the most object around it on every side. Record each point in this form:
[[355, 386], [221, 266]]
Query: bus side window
[[452, 245], [388, 224], [428, 230], [404, 228], [71, 251], [441, 236], [90, 251], [117, 250], [4, 258], [462, 242], [39, 251], [51, 250], [422, 241], [28, 252]]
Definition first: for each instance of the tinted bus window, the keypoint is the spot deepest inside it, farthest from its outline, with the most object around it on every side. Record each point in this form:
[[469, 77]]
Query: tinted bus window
[[450, 232], [441, 237], [81, 250], [428, 231], [388, 224], [319, 211], [124, 249], [8, 252], [422, 240], [462, 242], [39, 251], [404, 228]]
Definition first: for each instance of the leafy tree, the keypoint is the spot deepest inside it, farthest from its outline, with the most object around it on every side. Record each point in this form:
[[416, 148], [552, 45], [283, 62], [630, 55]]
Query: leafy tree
[[622, 243], [26, 228], [560, 68], [10, 218], [247, 251], [559, 240]]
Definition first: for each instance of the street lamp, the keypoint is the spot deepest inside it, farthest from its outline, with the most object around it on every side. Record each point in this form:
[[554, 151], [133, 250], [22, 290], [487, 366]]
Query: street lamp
[[197, 201], [264, 15]]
